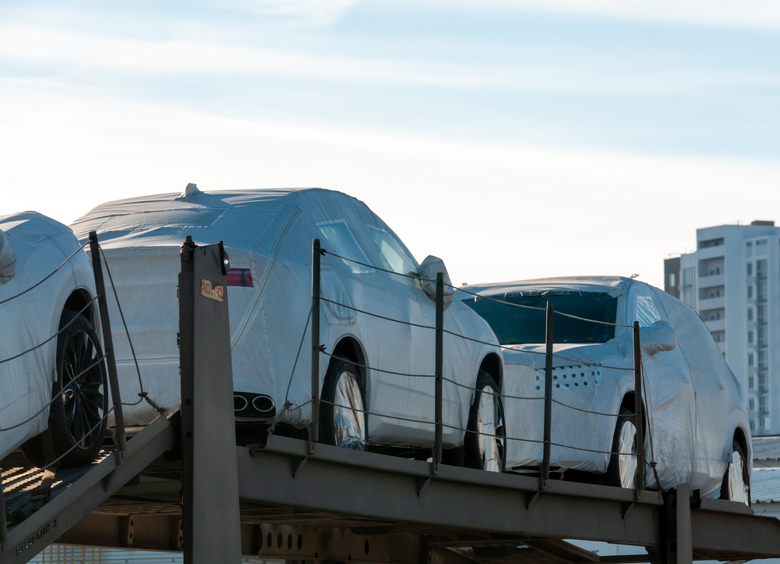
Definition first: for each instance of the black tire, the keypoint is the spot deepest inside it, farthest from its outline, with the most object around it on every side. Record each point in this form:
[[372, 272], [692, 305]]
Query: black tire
[[725, 490], [617, 462], [342, 402], [77, 421], [473, 447]]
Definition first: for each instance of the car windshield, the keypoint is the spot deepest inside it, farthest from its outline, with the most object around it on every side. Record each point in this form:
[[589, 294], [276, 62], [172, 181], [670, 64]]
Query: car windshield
[[519, 325]]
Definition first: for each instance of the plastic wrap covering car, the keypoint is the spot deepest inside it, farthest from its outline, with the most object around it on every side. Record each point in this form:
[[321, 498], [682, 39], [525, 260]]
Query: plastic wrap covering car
[[693, 402], [268, 235], [7, 260], [28, 318]]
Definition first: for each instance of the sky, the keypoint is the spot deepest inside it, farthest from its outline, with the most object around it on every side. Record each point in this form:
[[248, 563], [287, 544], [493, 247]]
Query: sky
[[514, 139]]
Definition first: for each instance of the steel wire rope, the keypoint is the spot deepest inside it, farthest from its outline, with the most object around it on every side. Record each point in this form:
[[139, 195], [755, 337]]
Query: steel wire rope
[[490, 393], [421, 279], [473, 389], [424, 326], [577, 362], [592, 450], [379, 369], [585, 363], [589, 411], [298, 354], [55, 398], [489, 298], [592, 320], [537, 308], [573, 361], [288, 406], [53, 336], [519, 439], [47, 277], [508, 347], [499, 346], [397, 417], [652, 463], [377, 315], [142, 395], [532, 441], [494, 436], [64, 454], [375, 414]]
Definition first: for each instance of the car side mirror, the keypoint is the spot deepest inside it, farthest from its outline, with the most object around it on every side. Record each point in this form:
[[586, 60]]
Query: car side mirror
[[660, 336], [429, 268]]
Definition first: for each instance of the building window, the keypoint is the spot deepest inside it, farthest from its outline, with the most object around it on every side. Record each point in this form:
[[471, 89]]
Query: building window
[[750, 292], [750, 269], [749, 243], [752, 425], [750, 314], [751, 403], [689, 286], [751, 383], [711, 243], [750, 336], [760, 242], [672, 280], [750, 361]]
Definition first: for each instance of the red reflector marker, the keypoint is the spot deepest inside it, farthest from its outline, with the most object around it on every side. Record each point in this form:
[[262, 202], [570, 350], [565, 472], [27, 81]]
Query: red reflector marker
[[240, 277]]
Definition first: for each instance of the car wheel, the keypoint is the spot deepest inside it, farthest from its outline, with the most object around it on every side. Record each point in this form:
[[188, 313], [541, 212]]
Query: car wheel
[[76, 417], [342, 410], [485, 442], [622, 468], [736, 485]]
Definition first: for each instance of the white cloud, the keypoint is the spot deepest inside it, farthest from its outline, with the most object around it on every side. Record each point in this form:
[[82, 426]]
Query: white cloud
[[64, 51], [493, 212], [728, 13], [308, 12]]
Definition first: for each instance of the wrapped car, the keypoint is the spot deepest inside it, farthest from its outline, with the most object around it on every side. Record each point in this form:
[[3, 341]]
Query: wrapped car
[[378, 358], [52, 372], [697, 430]]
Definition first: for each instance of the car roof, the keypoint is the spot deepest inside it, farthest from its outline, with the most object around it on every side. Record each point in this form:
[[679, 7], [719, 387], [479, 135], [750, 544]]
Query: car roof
[[612, 285], [239, 217], [31, 226]]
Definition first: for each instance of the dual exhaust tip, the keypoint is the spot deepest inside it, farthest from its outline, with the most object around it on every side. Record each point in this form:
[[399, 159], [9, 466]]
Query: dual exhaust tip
[[253, 405]]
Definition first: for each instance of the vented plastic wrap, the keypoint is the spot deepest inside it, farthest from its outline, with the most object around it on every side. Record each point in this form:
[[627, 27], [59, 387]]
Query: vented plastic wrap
[[693, 401]]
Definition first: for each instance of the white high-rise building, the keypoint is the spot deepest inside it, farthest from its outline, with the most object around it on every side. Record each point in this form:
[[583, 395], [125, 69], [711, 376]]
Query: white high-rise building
[[733, 281]]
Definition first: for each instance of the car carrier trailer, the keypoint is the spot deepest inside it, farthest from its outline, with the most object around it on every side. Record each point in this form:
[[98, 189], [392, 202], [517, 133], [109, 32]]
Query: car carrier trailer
[[182, 484]]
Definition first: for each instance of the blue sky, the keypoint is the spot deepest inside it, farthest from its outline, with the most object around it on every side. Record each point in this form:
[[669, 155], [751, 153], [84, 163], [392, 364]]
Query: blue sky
[[513, 139]]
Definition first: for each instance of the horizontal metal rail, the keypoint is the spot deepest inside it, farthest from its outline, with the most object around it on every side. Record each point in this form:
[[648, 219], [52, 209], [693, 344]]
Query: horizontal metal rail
[[62, 512]]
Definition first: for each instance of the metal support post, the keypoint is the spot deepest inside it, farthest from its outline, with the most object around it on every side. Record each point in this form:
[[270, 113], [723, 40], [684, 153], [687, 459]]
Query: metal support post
[[548, 388], [314, 427], [439, 369], [679, 541], [3, 517], [639, 410], [108, 342], [211, 520]]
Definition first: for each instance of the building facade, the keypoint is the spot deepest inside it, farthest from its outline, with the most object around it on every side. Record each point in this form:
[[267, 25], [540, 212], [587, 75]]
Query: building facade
[[733, 281]]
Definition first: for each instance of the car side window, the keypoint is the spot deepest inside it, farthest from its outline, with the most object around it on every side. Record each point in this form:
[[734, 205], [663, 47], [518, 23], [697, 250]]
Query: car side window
[[342, 242], [393, 251], [646, 312]]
